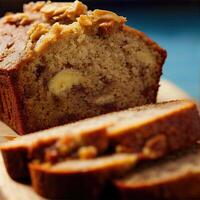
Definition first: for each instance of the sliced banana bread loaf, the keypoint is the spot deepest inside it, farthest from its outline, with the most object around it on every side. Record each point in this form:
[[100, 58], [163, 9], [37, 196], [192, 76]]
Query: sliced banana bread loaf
[[60, 63], [175, 177], [150, 131], [78, 179]]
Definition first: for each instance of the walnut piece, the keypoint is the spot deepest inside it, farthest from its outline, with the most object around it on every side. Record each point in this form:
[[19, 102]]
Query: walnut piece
[[155, 147], [33, 6], [100, 17], [18, 19], [50, 37], [87, 152], [37, 31], [63, 12]]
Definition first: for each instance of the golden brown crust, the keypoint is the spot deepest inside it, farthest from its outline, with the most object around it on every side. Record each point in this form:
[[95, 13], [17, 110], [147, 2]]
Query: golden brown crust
[[10, 105], [90, 182], [78, 186], [38, 149], [16, 163], [181, 188]]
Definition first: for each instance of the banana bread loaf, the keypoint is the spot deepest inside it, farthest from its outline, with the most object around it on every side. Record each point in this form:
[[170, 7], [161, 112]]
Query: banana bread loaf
[[60, 63], [175, 177], [150, 131]]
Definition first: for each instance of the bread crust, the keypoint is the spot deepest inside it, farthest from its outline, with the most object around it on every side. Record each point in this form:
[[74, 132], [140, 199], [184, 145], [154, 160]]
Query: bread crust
[[16, 163], [86, 185], [183, 187], [89, 182]]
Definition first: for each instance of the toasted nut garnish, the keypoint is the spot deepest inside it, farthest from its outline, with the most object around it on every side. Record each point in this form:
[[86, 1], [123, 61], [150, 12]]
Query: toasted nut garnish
[[37, 31], [33, 6], [100, 16], [18, 19], [63, 12], [87, 152]]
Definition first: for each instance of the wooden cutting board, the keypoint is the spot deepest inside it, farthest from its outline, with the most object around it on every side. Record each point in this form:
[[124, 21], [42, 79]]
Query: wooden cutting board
[[10, 190]]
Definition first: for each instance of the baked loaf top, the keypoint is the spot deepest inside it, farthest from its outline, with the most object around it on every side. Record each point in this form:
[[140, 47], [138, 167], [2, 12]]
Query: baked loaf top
[[41, 24], [15, 40], [57, 51]]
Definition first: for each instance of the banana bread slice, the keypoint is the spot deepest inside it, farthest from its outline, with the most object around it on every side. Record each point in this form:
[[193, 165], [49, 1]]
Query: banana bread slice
[[175, 177], [60, 63], [78, 179], [150, 131]]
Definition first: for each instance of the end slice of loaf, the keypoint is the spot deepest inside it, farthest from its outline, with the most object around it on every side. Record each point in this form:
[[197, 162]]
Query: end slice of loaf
[[175, 177], [78, 179], [60, 63], [152, 130]]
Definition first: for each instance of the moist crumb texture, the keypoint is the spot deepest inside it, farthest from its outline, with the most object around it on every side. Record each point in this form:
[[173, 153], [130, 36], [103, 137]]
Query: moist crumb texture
[[74, 64]]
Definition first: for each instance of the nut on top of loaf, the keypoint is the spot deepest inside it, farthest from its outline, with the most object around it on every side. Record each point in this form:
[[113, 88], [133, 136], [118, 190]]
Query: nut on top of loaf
[[99, 22], [47, 12], [57, 12], [18, 19]]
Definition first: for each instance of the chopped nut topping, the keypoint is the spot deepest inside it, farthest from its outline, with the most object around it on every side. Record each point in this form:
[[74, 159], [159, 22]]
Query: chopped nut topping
[[105, 27], [62, 149], [48, 38], [67, 144], [101, 21], [37, 31], [63, 12], [155, 147], [106, 15], [100, 17], [18, 19], [87, 152], [33, 7]]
